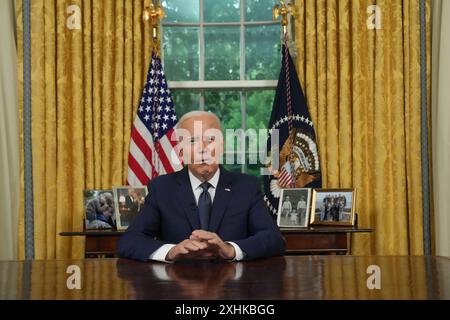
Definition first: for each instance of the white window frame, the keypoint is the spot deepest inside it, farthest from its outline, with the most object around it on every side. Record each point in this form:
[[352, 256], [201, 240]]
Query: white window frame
[[241, 85]]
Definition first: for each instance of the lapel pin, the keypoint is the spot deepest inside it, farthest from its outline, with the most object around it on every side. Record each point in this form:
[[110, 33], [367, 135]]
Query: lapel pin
[[227, 189]]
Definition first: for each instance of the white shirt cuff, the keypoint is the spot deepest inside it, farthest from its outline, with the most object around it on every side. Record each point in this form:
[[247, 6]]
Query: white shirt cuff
[[239, 254], [161, 253]]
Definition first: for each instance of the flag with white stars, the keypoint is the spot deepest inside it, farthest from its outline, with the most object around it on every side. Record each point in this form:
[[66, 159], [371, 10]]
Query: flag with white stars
[[152, 143], [298, 165]]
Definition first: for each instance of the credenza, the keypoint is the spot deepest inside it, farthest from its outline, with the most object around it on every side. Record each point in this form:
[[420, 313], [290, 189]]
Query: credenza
[[299, 241]]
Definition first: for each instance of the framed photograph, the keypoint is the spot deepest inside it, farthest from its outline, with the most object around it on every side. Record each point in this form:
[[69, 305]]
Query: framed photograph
[[293, 210], [128, 200], [99, 210], [333, 207]]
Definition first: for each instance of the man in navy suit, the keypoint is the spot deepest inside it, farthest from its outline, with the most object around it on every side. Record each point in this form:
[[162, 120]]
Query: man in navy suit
[[202, 211]]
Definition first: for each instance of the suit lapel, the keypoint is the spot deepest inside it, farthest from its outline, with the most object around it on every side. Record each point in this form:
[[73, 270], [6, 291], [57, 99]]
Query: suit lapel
[[187, 199], [221, 200]]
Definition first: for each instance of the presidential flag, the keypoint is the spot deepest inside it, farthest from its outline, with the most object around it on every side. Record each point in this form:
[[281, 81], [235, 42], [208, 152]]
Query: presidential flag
[[152, 143], [298, 165]]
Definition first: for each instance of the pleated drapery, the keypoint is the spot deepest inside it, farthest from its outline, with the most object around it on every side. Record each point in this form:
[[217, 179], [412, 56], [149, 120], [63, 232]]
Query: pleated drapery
[[86, 84], [363, 91], [362, 87]]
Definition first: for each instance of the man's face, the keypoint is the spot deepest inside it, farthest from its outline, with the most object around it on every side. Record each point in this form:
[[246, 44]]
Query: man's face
[[201, 144]]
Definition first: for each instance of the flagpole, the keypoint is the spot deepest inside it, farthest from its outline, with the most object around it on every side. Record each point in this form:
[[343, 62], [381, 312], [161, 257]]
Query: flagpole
[[282, 9], [155, 13]]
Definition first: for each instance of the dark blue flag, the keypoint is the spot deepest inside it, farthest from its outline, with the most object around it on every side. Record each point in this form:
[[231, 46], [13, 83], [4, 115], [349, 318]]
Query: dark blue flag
[[298, 165]]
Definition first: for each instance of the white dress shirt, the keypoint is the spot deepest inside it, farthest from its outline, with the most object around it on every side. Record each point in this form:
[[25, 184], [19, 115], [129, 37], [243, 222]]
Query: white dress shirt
[[161, 253]]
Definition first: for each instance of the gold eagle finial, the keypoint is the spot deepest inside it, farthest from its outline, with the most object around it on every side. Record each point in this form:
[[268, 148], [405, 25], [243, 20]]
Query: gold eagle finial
[[283, 10], [154, 13]]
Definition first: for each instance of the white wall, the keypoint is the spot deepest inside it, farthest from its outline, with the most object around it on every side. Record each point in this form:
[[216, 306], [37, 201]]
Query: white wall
[[441, 123], [9, 134]]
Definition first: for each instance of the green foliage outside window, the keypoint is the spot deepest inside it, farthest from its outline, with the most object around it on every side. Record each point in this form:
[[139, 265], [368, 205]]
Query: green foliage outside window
[[223, 59]]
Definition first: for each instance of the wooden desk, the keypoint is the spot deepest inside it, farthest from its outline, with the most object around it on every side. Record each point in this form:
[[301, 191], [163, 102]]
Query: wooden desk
[[312, 240], [284, 278]]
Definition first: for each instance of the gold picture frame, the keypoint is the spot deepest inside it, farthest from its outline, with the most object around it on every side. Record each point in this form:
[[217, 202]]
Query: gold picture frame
[[128, 200], [333, 207]]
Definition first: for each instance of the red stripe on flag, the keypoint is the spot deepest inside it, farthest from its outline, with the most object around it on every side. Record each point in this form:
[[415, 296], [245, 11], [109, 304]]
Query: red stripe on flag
[[285, 178], [163, 157], [171, 136], [140, 142], [137, 169], [145, 149], [174, 142]]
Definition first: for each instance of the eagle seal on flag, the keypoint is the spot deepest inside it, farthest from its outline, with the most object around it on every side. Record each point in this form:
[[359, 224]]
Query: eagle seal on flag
[[298, 161]]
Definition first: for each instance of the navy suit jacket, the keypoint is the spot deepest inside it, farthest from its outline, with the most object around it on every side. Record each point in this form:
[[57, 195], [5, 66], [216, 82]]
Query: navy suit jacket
[[170, 214]]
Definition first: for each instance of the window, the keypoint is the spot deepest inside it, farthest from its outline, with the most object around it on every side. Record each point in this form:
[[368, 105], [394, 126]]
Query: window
[[223, 56]]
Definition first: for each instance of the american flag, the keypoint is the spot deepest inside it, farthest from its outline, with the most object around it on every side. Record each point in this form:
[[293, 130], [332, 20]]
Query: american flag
[[285, 179], [152, 143]]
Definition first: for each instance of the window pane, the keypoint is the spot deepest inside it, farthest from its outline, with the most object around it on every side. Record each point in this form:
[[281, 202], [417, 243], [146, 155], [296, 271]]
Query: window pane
[[185, 101], [227, 106], [221, 11], [181, 10], [259, 108], [222, 53], [262, 52], [181, 52], [259, 10]]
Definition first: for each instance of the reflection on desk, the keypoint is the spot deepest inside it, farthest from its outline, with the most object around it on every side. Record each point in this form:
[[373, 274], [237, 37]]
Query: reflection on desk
[[290, 277], [201, 280]]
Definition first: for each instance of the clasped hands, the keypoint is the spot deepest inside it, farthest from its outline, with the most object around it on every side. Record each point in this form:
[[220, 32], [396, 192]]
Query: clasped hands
[[201, 245]]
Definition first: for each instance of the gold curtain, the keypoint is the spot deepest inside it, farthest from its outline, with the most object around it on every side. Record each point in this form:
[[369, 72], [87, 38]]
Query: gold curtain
[[363, 91], [86, 84], [362, 86]]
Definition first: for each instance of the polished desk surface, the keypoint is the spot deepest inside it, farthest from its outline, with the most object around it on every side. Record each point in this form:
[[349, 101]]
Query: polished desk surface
[[284, 230], [289, 277]]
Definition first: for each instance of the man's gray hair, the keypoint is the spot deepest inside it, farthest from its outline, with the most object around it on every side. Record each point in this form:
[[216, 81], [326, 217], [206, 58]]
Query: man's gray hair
[[198, 113]]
